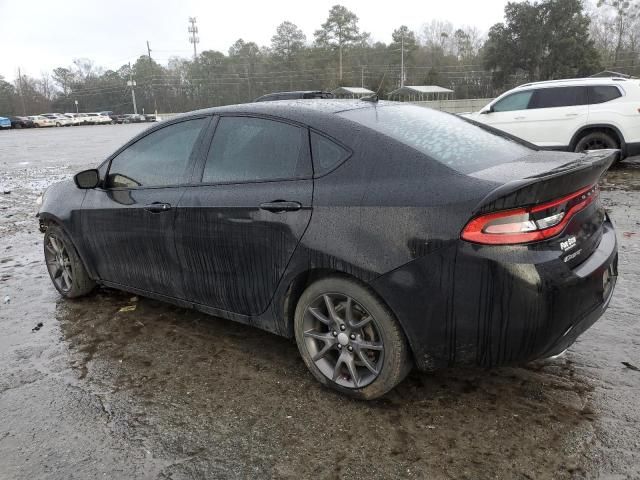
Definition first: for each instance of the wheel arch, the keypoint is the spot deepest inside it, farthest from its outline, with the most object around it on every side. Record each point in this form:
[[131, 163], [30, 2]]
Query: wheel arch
[[48, 219], [606, 127], [302, 280]]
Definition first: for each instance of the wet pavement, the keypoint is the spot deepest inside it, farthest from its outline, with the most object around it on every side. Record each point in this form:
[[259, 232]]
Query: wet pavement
[[155, 391]]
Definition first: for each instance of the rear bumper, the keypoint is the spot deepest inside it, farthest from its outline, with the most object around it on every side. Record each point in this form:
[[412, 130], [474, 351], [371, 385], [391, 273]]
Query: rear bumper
[[470, 305]]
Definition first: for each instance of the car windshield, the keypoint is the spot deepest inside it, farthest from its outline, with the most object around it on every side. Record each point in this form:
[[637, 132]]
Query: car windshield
[[448, 139]]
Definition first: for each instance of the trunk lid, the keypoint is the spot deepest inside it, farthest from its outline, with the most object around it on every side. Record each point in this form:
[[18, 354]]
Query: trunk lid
[[542, 178]]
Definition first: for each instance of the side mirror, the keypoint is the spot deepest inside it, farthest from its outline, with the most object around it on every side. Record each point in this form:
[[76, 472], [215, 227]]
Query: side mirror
[[87, 179], [486, 110]]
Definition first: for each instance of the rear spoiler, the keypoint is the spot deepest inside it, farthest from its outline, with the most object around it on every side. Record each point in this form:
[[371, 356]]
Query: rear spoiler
[[570, 177]]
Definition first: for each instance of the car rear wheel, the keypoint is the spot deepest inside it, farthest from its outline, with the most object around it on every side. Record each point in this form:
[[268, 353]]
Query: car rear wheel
[[596, 141], [65, 268], [349, 339]]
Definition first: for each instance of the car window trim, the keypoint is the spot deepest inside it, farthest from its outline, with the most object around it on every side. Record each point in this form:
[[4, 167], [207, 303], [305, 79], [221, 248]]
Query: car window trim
[[196, 152], [199, 171]]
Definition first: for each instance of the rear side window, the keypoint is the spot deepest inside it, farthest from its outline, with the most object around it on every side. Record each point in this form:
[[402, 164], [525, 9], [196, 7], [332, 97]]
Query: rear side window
[[158, 159], [448, 139], [253, 149], [558, 97], [326, 154], [513, 102], [602, 94]]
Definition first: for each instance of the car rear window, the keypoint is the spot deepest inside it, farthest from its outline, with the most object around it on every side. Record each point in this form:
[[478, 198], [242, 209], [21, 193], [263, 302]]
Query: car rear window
[[448, 139]]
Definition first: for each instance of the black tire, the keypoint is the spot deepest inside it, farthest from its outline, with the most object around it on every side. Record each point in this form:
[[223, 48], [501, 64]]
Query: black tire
[[80, 283], [596, 140], [393, 361]]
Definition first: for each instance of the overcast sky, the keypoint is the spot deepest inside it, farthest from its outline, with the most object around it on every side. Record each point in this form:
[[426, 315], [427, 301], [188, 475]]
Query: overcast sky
[[39, 35]]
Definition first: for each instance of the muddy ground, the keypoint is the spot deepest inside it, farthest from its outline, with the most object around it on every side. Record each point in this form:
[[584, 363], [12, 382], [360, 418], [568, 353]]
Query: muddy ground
[[162, 392]]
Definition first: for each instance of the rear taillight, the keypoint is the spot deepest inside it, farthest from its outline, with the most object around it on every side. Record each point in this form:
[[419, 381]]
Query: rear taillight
[[530, 224]]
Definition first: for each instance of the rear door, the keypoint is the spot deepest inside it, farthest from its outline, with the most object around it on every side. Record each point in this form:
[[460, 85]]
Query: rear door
[[554, 115], [128, 225], [237, 230]]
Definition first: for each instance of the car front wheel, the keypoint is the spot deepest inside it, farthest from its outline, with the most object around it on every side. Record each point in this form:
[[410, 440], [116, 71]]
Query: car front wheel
[[65, 267], [349, 339]]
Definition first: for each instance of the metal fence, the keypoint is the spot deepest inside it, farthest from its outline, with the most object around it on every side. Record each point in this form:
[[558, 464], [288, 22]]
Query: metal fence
[[456, 106]]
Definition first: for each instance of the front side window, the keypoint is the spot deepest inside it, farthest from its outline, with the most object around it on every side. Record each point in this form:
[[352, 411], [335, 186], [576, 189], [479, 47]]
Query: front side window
[[248, 149], [558, 97], [159, 159], [515, 101], [602, 94]]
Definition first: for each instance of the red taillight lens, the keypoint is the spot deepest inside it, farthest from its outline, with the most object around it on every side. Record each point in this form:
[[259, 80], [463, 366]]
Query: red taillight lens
[[530, 224]]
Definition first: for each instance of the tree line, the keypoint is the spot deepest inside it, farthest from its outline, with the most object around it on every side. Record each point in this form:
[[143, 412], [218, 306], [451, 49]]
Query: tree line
[[539, 40]]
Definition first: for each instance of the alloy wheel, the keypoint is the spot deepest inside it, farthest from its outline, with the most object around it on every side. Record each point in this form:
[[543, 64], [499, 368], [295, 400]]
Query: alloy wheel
[[343, 340], [58, 263]]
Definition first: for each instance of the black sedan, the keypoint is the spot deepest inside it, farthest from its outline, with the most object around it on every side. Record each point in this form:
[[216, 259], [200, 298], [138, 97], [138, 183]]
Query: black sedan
[[378, 235], [21, 122]]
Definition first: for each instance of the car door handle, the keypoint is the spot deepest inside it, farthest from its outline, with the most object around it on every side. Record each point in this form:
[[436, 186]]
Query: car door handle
[[278, 206], [519, 118], [157, 207], [571, 115]]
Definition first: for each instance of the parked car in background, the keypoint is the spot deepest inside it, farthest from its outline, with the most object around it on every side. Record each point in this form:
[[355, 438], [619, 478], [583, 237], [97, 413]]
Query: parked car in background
[[75, 119], [21, 122], [42, 121], [59, 119], [5, 123], [573, 115], [378, 235], [302, 94], [132, 118], [98, 119], [84, 118]]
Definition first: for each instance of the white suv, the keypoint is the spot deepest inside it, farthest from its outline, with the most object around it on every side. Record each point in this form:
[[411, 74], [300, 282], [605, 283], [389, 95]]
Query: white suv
[[575, 115]]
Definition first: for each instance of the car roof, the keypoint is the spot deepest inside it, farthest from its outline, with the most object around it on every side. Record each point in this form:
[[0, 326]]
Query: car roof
[[296, 107], [576, 82]]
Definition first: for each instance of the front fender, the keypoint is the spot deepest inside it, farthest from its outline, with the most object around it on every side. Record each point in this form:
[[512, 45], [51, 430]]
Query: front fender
[[61, 205]]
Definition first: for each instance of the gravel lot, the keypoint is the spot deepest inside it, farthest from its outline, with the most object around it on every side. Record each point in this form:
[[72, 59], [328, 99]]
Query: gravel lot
[[162, 392]]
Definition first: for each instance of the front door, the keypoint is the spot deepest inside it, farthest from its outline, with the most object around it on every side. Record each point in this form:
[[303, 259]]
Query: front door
[[237, 230], [127, 226]]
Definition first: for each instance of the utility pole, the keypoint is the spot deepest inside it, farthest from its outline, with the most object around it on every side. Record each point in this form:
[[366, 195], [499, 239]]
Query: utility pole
[[362, 77], [153, 95], [193, 30], [131, 83], [402, 60], [340, 55], [24, 110]]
